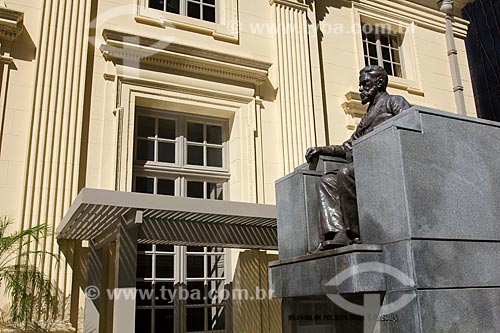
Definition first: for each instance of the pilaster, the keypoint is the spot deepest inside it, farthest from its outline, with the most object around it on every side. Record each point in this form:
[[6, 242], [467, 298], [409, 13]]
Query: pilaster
[[295, 92]]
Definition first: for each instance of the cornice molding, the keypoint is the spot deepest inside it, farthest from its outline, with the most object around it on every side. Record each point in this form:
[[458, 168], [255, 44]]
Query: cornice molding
[[407, 11], [11, 24], [143, 50], [290, 3]]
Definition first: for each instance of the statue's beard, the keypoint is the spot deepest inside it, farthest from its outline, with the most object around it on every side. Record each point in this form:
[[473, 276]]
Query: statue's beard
[[368, 96]]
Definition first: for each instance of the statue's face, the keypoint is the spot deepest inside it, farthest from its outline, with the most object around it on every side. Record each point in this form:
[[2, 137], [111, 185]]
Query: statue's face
[[368, 88]]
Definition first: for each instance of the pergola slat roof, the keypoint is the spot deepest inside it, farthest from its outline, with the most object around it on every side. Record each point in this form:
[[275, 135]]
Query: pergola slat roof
[[95, 215]]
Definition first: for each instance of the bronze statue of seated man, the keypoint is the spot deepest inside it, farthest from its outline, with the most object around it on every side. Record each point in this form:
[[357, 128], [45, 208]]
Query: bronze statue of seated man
[[339, 222]]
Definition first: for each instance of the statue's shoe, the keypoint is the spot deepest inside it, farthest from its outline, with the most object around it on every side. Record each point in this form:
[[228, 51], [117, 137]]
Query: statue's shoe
[[339, 240]]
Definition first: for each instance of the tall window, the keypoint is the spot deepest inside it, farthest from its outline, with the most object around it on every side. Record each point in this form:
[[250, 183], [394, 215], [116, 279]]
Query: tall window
[[185, 156], [199, 9], [382, 47]]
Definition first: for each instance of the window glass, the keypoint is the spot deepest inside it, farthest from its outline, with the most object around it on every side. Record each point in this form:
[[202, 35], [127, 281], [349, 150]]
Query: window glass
[[173, 6], [195, 155], [143, 320], [196, 320], [145, 150], [216, 318], [164, 320], [146, 127], [195, 132], [195, 190], [144, 185], [214, 134], [214, 191], [164, 292], [164, 266], [166, 152], [214, 157], [195, 267], [166, 129]]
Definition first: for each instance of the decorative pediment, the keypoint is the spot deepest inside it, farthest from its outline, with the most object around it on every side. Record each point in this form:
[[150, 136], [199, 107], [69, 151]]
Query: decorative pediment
[[11, 24], [123, 47]]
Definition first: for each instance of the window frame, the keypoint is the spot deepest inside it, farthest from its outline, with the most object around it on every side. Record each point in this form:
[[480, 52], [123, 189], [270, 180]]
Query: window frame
[[183, 9], [222, 29], [411, 82], [379, 33], [181, 173]]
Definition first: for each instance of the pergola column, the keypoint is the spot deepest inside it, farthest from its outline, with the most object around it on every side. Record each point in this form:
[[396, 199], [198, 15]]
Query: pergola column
[[295, 92], [94, 290], [125, 273]]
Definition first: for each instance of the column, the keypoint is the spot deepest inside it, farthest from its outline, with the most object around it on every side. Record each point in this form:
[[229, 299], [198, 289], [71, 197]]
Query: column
[[93, 291], [125, 274], [295, 92], [54, 144]]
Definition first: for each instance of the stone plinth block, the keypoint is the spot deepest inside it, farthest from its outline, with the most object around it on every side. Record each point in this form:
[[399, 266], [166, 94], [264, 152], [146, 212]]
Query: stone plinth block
[[297, 208], [427, 174]]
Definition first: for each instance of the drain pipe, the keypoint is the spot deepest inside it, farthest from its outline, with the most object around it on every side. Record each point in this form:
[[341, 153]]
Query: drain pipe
[[447, 6]]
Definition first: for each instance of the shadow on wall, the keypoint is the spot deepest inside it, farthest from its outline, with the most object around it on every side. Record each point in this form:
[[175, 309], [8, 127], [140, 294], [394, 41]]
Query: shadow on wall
[[257, 313]]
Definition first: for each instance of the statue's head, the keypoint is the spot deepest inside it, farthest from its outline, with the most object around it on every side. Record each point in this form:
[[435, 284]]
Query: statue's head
[[372, 81]]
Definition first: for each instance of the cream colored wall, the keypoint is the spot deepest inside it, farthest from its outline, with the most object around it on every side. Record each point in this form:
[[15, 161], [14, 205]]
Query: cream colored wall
[[103, 125], [43, 85], [424, 50], [16, 127]]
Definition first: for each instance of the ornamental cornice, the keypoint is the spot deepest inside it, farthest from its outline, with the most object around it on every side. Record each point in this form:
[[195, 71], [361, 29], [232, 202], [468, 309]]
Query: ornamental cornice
[[11, 24], [290, 3], [138, 50]]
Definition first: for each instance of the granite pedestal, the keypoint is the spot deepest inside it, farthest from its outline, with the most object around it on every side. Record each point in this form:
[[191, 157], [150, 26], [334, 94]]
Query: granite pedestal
[[428, 186]]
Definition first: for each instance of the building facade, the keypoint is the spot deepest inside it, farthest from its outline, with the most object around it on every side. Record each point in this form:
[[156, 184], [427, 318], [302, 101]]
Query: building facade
[[208, 99]]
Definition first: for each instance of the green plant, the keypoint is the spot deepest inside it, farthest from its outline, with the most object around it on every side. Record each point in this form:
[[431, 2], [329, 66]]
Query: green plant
[[25, 285]]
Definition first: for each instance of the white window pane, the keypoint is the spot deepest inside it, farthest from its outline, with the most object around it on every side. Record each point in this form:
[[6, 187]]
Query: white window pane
[[195, 155], [195, 190], [145, 150], [166, 129], [166, 152], [214, 157], [165, 187], [145, 127], [144, 185], [195, 132]]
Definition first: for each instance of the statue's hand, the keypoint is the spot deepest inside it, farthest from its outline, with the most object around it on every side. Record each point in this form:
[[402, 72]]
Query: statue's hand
[[313, 153]]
